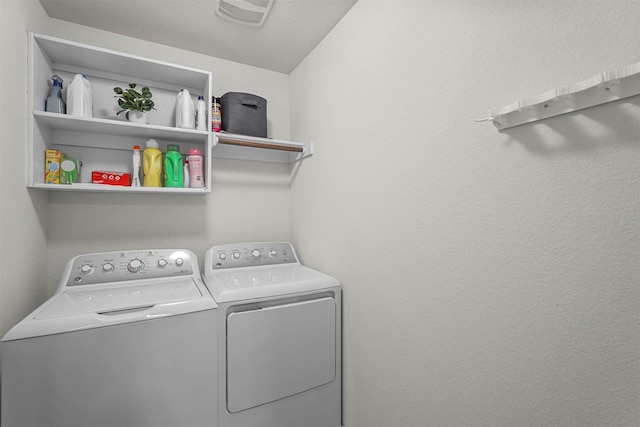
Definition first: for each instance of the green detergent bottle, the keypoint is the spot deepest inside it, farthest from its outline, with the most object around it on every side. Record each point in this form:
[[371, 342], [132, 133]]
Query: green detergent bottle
[[173, 171]]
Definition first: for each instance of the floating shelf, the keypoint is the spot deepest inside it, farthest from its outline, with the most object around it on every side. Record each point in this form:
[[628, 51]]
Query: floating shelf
[[101, 142], [235, 146], [602, 88]]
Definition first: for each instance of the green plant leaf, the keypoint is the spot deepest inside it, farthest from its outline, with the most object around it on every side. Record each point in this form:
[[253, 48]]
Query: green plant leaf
[[133, 100]]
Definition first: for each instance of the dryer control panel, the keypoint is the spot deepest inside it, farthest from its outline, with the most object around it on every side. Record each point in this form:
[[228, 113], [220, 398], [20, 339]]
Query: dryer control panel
[[108, 267], [250, 255]]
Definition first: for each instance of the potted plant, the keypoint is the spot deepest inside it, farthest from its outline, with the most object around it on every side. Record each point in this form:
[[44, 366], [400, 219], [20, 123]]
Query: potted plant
[[133, 103]]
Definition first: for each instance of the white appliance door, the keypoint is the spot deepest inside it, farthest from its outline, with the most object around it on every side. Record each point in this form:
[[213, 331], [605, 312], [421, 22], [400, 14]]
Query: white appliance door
[[279, 351], [155, 373]]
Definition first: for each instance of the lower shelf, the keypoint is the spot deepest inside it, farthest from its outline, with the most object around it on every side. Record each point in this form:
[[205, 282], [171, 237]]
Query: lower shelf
[[120, 189]]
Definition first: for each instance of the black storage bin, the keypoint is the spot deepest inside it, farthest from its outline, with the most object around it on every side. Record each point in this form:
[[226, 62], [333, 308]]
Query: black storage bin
[[244, 113]]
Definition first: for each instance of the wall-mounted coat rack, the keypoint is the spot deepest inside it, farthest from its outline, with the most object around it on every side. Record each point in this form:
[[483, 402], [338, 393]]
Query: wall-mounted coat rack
[[602, 88]]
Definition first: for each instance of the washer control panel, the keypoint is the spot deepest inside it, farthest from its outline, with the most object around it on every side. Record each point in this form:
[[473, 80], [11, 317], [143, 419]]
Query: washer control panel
[[107, 267], [251, 255]]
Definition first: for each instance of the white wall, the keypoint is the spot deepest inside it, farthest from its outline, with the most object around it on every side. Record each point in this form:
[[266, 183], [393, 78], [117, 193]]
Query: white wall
[[489, 278], [40, 232], [22, 212]]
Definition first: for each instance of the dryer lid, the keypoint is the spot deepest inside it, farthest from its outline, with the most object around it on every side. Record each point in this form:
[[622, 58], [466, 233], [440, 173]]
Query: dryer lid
[[266, 281]]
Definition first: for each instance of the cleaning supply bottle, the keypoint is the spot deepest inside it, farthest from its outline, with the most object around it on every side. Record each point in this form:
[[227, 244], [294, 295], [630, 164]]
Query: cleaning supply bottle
[[185, 172], [196, 177], [201, 114], [80, 97], [173, 167], [185, 113], [54, 102], [135, 180], [216, 115], [152, 164]]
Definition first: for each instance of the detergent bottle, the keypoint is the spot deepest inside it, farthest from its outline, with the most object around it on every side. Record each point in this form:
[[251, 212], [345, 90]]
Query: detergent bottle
[[201, 114], [185, 111], [80, 97], [196, 176], [173, 167], [152, 164]]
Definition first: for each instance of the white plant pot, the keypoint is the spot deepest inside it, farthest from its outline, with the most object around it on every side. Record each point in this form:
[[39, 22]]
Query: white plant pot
[[136, 116]]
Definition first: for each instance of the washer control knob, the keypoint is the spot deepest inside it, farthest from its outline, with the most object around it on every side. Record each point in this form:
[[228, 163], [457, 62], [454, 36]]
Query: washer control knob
[[135, 265], [179, 261], [162, 263], [222, 256], [108, 267], [255, 254], [86, 269], [273, 253], [236, 255]]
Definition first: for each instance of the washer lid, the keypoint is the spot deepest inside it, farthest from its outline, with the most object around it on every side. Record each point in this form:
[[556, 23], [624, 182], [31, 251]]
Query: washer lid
[[108, 300], [265, 281], [107, 305]]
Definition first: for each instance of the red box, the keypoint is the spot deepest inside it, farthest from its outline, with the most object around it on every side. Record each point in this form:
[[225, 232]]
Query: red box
[[111, 178]]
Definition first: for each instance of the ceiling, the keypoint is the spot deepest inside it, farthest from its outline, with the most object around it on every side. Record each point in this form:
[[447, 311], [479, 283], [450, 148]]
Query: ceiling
[[292, 29]]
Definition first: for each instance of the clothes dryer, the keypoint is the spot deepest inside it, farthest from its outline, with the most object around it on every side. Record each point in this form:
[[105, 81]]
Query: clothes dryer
[[279, 337], [126, 340]]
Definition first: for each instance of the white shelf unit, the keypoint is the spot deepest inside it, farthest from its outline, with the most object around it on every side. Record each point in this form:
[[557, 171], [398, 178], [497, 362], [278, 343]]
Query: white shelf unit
[[244, 147], [602, 88], [104, 141]]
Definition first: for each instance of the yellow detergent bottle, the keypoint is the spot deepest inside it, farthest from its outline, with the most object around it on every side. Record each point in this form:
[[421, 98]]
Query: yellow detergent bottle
[[152, 164]]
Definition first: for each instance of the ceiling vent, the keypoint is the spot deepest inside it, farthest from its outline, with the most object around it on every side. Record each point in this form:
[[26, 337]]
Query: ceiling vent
[[248, 12]]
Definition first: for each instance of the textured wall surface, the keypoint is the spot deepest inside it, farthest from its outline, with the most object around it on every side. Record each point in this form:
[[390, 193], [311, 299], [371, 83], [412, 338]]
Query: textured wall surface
[[41, 231], [489, 278]]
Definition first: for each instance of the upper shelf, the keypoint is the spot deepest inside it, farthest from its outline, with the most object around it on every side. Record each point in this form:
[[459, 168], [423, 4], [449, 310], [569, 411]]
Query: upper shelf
[[235, 146], [77, 57], [602, 88]]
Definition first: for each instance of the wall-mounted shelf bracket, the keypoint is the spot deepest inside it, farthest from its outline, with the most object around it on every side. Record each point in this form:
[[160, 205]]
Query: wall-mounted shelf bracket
[[235, 146], [602, 88]]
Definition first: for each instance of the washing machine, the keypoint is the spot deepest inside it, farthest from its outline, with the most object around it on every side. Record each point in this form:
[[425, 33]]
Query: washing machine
[[126, 340], [279, 337]]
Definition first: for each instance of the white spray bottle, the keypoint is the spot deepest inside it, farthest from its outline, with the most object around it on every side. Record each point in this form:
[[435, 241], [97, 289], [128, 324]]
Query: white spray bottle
[[135, 181]]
